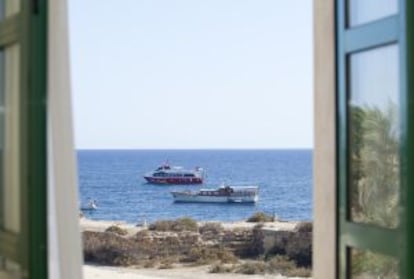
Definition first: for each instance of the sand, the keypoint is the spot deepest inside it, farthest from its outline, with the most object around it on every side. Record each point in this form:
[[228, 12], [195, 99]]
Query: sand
[[200, 272], [100, 226]]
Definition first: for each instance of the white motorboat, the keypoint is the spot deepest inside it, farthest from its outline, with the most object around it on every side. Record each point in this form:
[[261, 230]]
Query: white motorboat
[[91, 205], [224, 194]]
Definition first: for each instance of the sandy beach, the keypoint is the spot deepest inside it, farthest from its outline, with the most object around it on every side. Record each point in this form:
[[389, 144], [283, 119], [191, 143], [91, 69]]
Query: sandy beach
[[101, 226], [199, 272]]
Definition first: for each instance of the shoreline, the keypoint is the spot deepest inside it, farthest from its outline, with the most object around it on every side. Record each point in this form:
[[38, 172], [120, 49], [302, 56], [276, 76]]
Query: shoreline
[[87, 224]]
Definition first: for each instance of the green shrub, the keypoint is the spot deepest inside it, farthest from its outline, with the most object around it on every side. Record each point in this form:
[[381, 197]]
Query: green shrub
[[260, 217]]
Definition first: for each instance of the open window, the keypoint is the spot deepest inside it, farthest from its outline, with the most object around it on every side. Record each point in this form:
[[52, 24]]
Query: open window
[[363, 96], [23, 237]]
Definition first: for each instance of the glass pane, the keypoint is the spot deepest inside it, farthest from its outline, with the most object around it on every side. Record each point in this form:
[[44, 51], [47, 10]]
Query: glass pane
[[374, 136], [364, 11], [10, 140], [9, 269], [370, 265]]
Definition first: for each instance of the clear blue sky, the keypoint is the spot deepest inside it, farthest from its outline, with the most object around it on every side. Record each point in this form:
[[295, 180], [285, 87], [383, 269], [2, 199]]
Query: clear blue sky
[[192, 73]]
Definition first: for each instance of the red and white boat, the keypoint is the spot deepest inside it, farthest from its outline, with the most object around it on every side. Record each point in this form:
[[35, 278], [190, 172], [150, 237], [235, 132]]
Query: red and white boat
[[166, 174]]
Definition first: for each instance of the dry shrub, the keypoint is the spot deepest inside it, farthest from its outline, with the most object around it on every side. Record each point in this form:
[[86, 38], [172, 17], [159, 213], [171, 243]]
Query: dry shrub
[[299, 272], [150, 263], [259, 217], [168, 263], [299, 249], [109, 249], [221, 268], [179, 225], [117, 230], [256, 247], [251, 268], [206, 255], [280, 264], [161, 225], [211, 228], [304, 227], [185, 224], [142, 234], [286, 267]]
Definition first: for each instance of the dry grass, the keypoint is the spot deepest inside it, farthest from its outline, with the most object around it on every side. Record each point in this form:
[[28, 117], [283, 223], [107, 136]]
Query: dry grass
[[258, 267], [117, 230], [181, 241], [211, 228], [259, 217], [168, 263], [179, 225], [109, 249], [221, 268], [286, 267], [299, 272], [208, 255]]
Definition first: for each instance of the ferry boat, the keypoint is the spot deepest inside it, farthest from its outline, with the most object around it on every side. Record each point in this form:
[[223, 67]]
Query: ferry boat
[[166, 174], [224, 194]]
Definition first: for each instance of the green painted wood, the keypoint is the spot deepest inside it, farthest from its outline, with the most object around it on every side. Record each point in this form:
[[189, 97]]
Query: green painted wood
[[36, 143], [29, 247], [407, 70], [367, 237]]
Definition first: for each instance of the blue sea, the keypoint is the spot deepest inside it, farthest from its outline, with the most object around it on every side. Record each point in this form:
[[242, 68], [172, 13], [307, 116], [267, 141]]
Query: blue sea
[[114, 178]]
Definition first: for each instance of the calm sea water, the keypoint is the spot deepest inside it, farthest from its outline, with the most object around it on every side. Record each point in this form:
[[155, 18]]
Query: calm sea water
[[114, 179]]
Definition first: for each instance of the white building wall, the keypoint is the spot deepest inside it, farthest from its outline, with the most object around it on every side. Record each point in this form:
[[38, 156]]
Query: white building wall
[[65, 258]]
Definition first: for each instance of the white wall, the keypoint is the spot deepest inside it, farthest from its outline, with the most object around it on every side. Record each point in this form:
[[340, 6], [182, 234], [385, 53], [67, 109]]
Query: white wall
[[65, 258]]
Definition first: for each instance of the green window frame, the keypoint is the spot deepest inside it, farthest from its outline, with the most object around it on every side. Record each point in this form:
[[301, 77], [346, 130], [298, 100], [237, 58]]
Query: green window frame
[[28, 247], [394, 242]]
